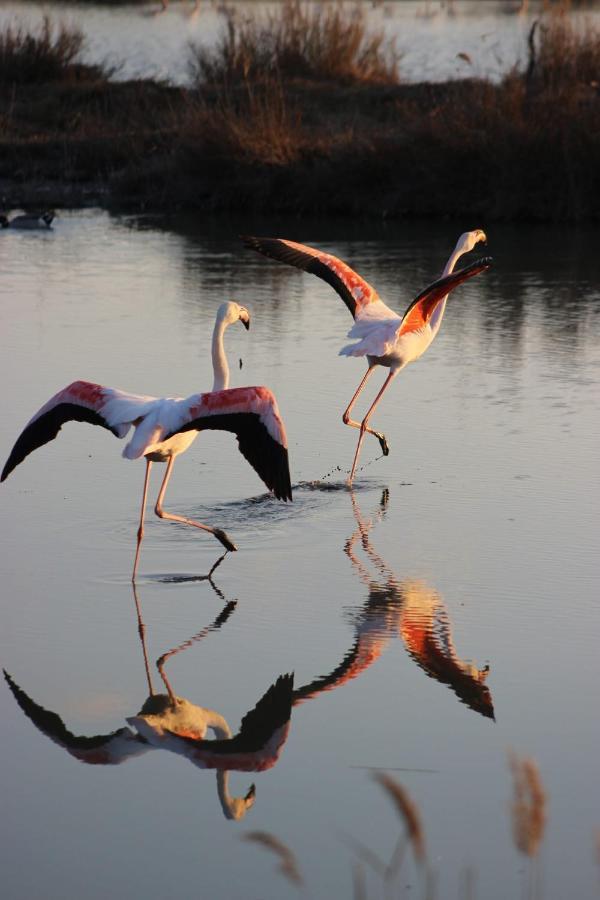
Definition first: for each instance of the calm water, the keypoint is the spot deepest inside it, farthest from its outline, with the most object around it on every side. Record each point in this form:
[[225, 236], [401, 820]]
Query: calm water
[[473, 544], [430, 34]]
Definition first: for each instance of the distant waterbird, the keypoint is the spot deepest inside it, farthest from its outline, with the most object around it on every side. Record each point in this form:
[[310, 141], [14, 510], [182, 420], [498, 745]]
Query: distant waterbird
[[384, 337], [167, 426], [29, 221]]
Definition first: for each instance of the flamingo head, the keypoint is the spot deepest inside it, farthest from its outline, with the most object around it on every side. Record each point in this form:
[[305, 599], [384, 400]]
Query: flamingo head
[[470, 239], [235, 808], [231, 312]]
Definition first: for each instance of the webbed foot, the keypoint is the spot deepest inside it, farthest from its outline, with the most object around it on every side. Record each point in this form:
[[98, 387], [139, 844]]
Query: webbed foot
[[221, 536]]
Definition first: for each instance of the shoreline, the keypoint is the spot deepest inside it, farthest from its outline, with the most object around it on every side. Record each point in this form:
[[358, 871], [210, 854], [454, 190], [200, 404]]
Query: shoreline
[[457, 149]]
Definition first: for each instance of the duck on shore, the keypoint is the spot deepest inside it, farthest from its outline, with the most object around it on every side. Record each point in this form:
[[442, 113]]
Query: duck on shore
[[29, 220]]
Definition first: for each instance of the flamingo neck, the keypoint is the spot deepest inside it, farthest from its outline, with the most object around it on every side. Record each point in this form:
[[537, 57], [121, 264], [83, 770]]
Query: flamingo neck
[[234, 808], [438, 315], [218, 724], [219, 360]]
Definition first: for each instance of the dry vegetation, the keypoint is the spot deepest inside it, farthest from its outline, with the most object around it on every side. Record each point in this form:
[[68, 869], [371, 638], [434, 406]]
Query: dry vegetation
[[322, 43], [303, 112], [48, 54]]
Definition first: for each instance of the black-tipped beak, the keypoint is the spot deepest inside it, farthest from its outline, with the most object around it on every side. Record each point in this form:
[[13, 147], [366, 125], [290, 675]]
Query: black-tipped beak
[[246, 324]]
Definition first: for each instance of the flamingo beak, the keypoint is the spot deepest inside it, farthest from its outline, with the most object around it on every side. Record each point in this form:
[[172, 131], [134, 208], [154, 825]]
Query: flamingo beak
[[246, 324]]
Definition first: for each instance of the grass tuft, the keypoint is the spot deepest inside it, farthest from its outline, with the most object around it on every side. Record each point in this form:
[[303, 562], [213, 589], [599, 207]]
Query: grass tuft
[[48, 54], [315, 42]]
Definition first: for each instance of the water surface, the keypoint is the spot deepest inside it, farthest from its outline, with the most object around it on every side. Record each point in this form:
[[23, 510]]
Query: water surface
[[444, 611]]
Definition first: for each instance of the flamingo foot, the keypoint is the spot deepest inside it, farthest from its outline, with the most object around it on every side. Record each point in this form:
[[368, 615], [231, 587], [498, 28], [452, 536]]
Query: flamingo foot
[[227, 543], [385, 449]]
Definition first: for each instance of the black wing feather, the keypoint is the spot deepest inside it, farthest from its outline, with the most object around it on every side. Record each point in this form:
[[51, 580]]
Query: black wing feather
[[268, 457], [438, 289], [51, 724], [277, 249], [46, 427]]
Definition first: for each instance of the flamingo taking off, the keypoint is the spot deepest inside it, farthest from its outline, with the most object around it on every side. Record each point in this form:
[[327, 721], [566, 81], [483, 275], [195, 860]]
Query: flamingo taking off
[[165, 427], [384, 337]]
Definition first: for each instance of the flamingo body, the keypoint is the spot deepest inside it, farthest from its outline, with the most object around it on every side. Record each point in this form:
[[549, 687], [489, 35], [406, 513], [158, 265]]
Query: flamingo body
[[164, 427]]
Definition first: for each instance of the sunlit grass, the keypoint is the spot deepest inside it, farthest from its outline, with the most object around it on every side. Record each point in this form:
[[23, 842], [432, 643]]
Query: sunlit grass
[[313, 41]]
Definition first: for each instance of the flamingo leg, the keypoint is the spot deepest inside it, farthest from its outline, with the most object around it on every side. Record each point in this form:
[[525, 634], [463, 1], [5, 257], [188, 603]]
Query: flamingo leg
[[363, 425], [140, 533], [218, 532], [348, 421]]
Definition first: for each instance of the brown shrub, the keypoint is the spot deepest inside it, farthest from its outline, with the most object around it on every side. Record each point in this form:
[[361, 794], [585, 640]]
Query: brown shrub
[[321, 42], [48, 54]]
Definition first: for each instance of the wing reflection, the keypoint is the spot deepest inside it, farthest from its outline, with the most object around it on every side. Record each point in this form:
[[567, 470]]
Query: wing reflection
[[415, 612], [167, 721]]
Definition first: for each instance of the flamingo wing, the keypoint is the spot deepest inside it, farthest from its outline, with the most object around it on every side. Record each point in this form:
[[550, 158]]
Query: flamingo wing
[[99, 749], [354, 290], [364, 652], [251, 413], [81, 401], [422, 308], [259, 742]]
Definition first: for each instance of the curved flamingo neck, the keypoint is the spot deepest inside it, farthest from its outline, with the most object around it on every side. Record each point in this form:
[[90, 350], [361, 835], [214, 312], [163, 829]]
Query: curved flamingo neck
[[438, 315], [217, 724], [219, 360]]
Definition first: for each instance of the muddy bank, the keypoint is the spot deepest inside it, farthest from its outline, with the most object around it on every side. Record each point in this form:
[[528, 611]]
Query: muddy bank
[[465, 148]]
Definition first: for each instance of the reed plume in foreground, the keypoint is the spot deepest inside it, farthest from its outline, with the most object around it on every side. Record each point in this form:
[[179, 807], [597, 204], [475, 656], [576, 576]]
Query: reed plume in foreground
[[287, 861], [528, 808], [408, 812]]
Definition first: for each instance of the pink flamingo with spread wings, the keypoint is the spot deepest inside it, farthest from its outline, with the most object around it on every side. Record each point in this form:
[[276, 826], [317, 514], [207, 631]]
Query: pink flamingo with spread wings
[[165, 427], [384, 337]]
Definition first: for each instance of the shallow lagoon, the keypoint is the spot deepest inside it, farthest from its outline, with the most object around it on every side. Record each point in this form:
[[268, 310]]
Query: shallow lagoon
[[473, 544]]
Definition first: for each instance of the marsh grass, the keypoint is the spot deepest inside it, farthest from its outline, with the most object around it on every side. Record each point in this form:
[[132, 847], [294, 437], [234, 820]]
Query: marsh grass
[[567, 55], [310, 121], [258, 124], [312, 41], [48, 54]]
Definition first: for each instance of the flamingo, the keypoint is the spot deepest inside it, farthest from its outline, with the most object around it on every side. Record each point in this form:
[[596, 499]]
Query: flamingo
[[29, 222], [173, 723], [384, 337], [415, 612], [167, 426]]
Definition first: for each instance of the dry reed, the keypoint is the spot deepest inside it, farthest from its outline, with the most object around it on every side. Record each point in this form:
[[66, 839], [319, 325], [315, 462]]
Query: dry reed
[[287, 861], [408, 812], [47, 54], [316, 42], [528, 809]]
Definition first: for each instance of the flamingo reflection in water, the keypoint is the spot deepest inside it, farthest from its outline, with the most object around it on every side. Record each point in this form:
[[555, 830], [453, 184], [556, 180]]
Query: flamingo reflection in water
[[416, 613], [173, 723]]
